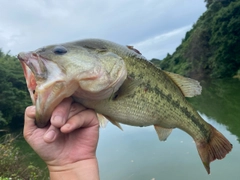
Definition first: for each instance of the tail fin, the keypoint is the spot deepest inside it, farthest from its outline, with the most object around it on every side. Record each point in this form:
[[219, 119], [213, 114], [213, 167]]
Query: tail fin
[[216, 147]]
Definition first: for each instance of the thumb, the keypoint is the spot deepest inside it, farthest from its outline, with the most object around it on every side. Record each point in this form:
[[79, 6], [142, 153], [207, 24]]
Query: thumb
[[29, 122]]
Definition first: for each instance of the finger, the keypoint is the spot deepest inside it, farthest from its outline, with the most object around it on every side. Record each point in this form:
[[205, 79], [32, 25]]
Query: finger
[[61, 112], [51, 134], [75, 109], [29, 122], [86, 118]]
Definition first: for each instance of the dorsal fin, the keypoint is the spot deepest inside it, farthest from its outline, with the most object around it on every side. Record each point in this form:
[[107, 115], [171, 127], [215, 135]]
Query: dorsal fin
[[189, 87], [133, 49]]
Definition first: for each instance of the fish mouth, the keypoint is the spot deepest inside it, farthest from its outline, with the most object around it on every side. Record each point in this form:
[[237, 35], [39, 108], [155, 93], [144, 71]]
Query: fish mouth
[[47, 88], [35, 63], [33, 68]]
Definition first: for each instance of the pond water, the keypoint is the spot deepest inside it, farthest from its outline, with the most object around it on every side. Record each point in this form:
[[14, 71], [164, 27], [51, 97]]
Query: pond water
[[136, 153]]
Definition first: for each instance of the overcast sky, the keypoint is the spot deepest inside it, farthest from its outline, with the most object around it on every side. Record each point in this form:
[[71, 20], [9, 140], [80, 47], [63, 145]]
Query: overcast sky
[[154, 27]]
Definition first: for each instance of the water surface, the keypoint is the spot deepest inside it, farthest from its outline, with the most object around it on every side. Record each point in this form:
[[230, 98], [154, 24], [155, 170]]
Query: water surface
[[137, 154]]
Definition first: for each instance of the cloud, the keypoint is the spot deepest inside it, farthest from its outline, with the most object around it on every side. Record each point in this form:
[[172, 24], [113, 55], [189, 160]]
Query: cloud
[[27, 25], [9, 37], [158, 46]]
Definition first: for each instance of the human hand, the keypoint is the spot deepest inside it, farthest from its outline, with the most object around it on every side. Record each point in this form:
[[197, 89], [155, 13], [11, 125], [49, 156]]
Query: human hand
[[70, 138]]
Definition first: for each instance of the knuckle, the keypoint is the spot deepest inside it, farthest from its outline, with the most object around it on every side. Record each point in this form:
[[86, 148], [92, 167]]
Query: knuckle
[[75, 107]]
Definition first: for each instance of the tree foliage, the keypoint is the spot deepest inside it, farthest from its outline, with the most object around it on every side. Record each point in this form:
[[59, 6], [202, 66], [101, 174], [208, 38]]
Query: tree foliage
[[211, 48], [14, 96], [223, 2]]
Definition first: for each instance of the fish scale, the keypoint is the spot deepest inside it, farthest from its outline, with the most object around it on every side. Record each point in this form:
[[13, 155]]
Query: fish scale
[[121, 85]]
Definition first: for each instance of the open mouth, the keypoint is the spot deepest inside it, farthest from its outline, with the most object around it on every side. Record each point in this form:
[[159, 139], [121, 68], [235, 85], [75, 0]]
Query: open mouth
[[30, 68], [46, 88]]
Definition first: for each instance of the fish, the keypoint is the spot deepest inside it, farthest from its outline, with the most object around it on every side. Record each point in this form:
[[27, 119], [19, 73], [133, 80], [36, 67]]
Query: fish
[[122, 86]]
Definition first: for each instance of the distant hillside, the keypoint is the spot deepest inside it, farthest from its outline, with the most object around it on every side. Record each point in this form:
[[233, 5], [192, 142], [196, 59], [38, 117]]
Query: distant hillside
[[14, 96], [212, 47]]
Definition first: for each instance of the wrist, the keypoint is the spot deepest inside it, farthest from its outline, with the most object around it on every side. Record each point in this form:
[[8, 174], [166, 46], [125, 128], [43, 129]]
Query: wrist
[[84, 169]]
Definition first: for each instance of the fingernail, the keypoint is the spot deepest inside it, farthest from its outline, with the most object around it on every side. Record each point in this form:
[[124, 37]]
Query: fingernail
[[31, 108], [50, 135]]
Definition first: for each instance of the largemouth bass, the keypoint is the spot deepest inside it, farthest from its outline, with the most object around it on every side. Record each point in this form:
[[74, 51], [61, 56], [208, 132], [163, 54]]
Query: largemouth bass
[[121, 85]]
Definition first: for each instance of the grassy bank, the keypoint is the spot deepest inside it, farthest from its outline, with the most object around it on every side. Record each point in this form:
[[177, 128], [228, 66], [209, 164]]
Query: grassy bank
[[14, 164]]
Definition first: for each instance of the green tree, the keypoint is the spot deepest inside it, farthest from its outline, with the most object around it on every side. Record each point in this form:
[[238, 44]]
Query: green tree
[[14, 96], [211, 48], [226, 41], [208, 2], [223, 2]]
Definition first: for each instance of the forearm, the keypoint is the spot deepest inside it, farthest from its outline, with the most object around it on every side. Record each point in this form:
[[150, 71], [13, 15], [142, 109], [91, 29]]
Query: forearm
[[82, 170]]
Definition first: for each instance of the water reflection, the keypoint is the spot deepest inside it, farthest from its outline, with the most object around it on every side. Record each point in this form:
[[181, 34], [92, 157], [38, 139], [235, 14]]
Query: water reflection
[[220, 100], [137, 154]]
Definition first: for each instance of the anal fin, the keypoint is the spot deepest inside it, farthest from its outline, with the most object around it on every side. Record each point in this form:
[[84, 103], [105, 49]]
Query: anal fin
[[163, 133]]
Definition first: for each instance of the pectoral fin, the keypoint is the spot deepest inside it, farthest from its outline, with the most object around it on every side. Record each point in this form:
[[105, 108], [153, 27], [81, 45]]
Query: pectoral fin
[[189, 87], [127, 88], [163, 133]]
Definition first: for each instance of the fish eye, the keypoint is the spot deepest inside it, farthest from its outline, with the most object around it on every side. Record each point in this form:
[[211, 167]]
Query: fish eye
[[59, 50]]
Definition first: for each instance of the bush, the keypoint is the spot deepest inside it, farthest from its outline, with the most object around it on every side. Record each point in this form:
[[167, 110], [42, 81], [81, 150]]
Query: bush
[[14, 164]]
